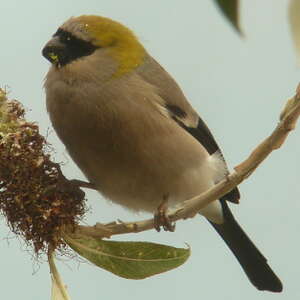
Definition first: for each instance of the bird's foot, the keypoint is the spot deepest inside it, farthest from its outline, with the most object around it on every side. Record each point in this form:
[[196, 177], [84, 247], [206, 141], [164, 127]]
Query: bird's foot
[[83, 184], [161, 218]]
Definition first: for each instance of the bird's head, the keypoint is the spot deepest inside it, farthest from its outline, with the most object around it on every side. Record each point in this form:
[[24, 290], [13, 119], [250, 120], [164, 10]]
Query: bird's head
[[81, 37]]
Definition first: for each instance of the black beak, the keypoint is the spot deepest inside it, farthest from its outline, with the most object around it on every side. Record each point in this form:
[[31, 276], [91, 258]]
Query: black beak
[[55, 52]]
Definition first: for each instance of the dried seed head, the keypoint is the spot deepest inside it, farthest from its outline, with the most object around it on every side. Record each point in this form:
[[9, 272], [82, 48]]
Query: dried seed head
[[36, 199]]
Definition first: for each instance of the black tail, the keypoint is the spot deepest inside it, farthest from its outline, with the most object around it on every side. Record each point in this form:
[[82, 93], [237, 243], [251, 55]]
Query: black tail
[[251, 260]]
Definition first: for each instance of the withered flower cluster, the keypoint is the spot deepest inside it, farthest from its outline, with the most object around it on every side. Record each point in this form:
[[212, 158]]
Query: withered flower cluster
[[36, 199]]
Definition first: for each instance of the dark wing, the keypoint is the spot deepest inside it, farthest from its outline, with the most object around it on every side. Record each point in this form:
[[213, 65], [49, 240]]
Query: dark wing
[[202, 134]]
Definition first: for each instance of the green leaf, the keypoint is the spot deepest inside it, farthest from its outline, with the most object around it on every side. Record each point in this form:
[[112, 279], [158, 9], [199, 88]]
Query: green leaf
[[230, 9], [294, 18], [131, 260]]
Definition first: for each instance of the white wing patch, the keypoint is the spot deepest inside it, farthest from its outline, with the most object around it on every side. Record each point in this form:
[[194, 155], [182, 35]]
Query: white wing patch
[[218, 164]]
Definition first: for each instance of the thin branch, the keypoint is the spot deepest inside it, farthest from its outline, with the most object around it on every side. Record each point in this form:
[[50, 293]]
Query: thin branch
[[58, 287], [191, 207]]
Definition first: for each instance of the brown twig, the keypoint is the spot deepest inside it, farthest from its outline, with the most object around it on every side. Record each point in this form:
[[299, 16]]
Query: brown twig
[[288, 119]]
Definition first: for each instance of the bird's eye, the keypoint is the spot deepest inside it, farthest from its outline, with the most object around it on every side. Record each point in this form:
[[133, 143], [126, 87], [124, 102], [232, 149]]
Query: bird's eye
[[66, 38]]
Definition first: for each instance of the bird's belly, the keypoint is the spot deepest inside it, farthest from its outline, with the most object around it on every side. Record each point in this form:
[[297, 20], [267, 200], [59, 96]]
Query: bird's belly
[[141, 182]]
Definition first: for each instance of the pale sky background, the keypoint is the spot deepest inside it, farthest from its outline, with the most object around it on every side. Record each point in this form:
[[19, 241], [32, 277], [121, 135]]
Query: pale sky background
[[237, 85]]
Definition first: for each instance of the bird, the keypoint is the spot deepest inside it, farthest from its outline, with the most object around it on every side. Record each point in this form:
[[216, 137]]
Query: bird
[[128, 126]]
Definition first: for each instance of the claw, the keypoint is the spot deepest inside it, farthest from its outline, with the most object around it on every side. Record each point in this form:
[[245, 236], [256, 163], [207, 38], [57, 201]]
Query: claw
[[83, 184], [161, 218]]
